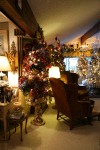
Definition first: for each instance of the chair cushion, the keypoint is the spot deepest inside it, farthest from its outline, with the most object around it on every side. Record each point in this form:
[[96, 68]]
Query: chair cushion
[[82, 92], [83, 95]]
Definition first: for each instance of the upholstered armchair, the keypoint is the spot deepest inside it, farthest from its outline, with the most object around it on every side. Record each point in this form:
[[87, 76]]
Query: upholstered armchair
[[69, 77], [67, 102]]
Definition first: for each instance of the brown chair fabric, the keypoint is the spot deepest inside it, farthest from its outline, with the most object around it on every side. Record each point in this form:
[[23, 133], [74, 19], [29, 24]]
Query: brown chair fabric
[[67, 102], [69, 77], [66, 77]]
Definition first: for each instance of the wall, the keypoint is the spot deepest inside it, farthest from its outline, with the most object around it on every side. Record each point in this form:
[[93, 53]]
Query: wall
[[94, 41], [89, 45], [9, 27], [4, 27], [12, 37], [74, 42]]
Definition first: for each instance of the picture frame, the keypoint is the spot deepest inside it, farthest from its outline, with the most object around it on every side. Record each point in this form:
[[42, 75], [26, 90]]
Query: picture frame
[[3, 41]]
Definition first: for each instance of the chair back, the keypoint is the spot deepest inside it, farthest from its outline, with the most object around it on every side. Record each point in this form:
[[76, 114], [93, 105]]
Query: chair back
[[61, 96], [66, 98], [69, 77]]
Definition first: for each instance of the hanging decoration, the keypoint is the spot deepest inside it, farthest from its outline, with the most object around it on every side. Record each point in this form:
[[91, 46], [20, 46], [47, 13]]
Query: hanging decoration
[[13, 57]]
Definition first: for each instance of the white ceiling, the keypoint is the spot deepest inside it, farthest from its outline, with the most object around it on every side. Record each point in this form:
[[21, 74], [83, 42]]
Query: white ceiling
[[66, 19]]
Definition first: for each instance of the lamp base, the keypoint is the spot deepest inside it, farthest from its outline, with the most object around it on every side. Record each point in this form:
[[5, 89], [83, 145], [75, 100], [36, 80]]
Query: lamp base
[[2, 74], [2, 94], [3, 83]]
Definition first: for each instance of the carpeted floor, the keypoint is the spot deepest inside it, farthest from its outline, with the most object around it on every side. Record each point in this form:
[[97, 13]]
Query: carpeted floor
[[55, 135]]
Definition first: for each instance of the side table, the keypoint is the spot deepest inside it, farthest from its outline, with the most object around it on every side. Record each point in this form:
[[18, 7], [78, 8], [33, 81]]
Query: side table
[[15, 121]]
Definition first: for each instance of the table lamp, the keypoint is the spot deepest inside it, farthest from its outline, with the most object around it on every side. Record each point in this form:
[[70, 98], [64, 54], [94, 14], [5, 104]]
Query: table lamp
[[4, 66], [54, 72]]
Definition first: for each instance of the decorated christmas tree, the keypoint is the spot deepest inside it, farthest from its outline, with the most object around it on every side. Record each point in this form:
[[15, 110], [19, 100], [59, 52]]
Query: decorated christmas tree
[[34, 79], [93, 77], [82, 67], [56, 55]]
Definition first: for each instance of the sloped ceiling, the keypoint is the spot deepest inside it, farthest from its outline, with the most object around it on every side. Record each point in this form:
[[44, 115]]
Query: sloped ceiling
[[66, 19]]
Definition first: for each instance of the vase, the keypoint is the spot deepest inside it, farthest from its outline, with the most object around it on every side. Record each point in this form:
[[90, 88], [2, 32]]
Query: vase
[[24, 99]]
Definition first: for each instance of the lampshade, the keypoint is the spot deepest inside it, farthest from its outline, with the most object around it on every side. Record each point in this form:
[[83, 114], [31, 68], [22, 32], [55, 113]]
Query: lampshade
[[54, 72], [4, 64]]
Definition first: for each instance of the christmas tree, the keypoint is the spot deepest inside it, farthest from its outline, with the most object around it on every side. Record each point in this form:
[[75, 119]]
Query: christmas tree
[[56, 55], [93, 76], [34, 79], [82, 67]]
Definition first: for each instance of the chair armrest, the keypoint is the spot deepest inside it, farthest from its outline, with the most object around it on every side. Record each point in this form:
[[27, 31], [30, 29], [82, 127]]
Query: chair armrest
[[83, 102], [82, 87], [90, 102]]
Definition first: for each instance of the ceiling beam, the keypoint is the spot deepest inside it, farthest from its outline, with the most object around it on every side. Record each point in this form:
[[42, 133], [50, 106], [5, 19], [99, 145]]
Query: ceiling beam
[[91, 32], [21, 16]]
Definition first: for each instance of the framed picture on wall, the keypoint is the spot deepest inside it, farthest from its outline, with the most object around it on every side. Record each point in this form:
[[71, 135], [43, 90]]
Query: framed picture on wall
[[3, 41]]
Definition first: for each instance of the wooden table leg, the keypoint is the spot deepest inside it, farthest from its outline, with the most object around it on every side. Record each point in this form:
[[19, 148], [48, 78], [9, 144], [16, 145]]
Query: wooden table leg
[[21, 126], [26, 124], [20, 122], [5, 128]]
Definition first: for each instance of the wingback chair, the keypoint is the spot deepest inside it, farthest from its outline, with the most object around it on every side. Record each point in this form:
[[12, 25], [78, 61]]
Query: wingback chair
[[69, 77], [67, 102]]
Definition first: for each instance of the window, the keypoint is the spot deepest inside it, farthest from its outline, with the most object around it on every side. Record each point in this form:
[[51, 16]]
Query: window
[[71, 63]]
